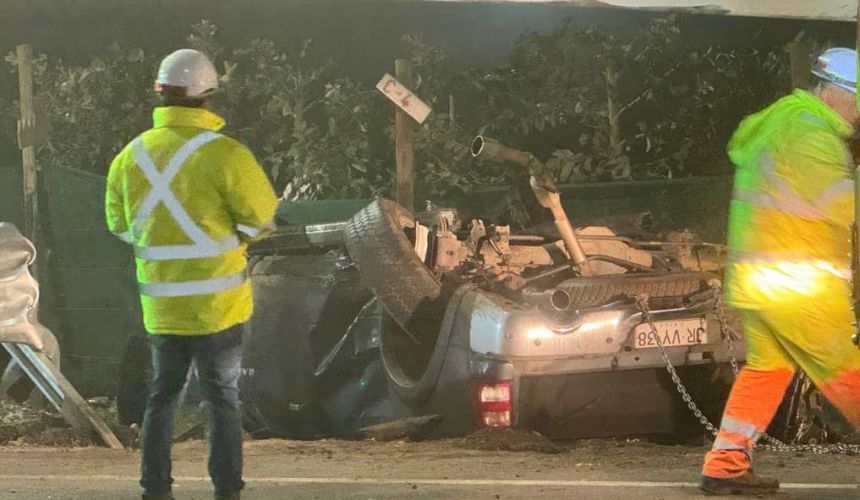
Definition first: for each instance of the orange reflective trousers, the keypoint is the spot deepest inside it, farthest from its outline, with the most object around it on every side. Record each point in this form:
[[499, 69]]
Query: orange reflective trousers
[[814, 336]]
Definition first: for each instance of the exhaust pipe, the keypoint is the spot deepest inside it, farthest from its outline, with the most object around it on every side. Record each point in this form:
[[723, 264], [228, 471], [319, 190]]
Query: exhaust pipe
[[493, 150], [553, 299], [545, 190]]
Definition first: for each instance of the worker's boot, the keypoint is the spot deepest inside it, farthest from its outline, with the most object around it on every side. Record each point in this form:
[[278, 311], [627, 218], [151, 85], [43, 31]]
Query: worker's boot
[[747, 484]]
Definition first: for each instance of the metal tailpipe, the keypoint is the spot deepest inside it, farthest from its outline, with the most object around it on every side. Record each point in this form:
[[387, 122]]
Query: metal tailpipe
[[545, 191], [493, 150], [554, 299]]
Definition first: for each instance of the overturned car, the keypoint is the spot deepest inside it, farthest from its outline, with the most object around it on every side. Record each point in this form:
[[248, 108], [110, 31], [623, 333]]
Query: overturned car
[[570, 332]]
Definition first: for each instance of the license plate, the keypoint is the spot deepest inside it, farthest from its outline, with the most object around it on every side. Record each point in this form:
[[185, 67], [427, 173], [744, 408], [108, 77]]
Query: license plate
[[674, 333]]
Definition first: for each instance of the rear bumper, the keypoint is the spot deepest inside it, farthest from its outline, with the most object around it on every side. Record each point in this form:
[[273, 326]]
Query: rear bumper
[[589, 340], [614, 404], [598, 384], [572, 399]]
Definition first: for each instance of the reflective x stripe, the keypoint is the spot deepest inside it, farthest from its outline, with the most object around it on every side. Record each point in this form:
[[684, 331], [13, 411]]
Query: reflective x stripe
[[189, 288], [839, 188], [789, 206], [203, 246], [786, 199], [126, 236]]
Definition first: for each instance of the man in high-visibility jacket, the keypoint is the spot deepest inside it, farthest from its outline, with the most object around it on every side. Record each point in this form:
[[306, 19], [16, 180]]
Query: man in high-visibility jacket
[[789, 264], [189, 199]]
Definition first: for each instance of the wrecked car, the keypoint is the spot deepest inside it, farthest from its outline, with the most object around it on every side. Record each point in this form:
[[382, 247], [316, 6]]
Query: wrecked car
[[384, 315]]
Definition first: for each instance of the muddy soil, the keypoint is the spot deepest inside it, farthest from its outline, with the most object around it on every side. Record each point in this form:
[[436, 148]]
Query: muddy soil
[[276, 469], [509, 440]]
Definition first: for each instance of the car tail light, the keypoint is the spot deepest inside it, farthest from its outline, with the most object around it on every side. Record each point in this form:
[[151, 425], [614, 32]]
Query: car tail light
[[495, 404]]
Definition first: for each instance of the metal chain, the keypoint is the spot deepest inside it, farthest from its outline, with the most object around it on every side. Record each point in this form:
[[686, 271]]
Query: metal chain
[[729, 335], [642, 303]]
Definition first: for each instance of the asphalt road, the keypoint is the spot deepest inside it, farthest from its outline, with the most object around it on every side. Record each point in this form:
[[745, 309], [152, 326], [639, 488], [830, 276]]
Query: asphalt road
[[444, 469]]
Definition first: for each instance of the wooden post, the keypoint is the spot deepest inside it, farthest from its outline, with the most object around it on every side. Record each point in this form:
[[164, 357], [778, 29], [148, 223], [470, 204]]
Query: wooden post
[[404, 142], [615, 145], [800, 54], [28, 151]]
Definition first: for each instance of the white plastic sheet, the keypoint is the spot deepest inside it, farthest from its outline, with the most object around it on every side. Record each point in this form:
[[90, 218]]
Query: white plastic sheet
[[19, 292]]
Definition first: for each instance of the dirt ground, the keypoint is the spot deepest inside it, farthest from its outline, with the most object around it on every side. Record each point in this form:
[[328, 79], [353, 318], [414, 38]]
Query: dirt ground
[[276, 469]]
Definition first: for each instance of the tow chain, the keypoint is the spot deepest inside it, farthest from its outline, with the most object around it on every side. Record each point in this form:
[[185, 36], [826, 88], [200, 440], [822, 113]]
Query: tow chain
[[729, 336]]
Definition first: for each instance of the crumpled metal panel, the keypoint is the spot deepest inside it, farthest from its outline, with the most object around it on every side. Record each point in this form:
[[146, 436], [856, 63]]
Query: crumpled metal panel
[[19, 292]]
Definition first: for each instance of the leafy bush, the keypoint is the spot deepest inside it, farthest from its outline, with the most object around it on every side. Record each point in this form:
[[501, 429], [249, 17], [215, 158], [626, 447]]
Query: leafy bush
[[312, 129], [609, 109], [598, 107]]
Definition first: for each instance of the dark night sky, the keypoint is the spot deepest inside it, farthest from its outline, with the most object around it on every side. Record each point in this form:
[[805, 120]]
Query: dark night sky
[[363, 36]]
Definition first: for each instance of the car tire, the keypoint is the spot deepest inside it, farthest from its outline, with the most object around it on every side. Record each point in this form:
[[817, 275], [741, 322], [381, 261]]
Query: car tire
[[378, 245]]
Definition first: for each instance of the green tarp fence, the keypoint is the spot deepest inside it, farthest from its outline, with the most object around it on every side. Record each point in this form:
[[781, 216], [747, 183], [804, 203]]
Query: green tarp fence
[[91, 301], [87, 276]]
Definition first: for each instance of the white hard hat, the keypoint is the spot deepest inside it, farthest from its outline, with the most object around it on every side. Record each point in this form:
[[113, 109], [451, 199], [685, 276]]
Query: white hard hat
[[838, 66], [189, 69]]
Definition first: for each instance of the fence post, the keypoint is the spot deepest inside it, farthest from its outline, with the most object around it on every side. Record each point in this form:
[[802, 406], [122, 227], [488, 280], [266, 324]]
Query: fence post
[[28, 150], [800, 55], [404, 142]]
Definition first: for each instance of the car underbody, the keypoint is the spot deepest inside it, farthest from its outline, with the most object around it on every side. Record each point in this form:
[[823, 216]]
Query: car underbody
[[566, 331]]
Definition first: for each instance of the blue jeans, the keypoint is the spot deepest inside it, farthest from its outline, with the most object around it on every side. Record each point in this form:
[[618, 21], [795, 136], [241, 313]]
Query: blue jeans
[[218, 358]]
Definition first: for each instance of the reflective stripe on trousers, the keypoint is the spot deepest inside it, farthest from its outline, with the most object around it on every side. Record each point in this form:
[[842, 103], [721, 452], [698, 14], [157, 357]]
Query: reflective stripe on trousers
[[754, 399], [732, 429]]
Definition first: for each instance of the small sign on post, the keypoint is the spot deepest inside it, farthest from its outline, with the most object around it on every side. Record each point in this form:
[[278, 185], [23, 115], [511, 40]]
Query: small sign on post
[[410, 109], [404, 98]]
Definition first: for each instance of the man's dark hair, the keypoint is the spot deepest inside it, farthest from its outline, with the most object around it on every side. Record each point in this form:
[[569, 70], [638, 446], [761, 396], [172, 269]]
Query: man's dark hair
[[175, 96]]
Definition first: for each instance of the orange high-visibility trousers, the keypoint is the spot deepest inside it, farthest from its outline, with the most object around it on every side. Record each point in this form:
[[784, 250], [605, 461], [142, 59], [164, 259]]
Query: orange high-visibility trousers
[[814, 336]]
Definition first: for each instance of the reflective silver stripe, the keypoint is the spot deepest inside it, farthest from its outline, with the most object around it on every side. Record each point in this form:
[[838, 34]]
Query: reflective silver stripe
[[744, 428], [192, 288], [790, 206], [725, 444], [787, 199], [174, 252], [248, 230], [745, 257], [838, 188]]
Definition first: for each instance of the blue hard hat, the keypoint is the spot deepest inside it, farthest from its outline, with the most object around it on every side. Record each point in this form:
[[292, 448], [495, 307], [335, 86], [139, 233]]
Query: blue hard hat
[[838, 66]]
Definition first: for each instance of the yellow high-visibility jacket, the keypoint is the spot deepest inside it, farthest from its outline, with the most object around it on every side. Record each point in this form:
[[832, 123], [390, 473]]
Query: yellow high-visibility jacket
[[189, 199], [793, 206]]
